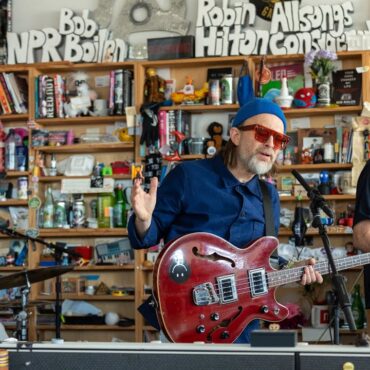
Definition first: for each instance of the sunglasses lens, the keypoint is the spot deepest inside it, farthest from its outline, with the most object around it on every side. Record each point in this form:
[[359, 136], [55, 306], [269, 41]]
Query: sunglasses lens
[[262, 134]]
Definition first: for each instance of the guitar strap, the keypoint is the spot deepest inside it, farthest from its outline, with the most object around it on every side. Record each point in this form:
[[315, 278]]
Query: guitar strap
[[269, 218], [267, 208]]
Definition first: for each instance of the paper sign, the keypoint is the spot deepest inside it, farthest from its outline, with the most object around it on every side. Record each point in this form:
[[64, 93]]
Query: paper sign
[[296, 123]]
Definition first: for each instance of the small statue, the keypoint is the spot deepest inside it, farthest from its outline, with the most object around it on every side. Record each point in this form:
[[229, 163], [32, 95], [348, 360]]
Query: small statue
[[154, 87]]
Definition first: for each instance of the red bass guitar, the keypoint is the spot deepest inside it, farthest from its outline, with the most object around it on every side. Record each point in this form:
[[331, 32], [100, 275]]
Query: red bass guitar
[[208, 290]]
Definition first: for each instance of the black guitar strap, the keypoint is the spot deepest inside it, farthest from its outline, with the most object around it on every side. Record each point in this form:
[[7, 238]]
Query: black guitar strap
[[267, 207]]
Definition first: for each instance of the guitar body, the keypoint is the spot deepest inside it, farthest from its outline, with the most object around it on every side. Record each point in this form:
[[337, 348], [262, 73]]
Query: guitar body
[[208, 290]]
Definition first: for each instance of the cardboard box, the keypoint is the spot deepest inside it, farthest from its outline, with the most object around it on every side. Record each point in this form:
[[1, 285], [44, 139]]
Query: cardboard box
[[171, 47]]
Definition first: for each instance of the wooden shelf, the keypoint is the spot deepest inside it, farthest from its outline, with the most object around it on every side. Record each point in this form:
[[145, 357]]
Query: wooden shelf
[[11, 268], [84, 148], [293, 112], [16, 174], [79, 120], [117, 268], [290, 198], [14, 117], [201, 108], [60, 178], [80, 232], [195, 62], [87, 327], [315, 167], [14, 202], [86, 297], [332, 230]]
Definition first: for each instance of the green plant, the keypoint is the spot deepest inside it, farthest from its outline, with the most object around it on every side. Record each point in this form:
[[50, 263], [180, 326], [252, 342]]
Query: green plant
[[321, 63]]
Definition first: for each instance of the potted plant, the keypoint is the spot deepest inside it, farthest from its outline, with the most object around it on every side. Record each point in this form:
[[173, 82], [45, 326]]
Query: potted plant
[[321, 64]]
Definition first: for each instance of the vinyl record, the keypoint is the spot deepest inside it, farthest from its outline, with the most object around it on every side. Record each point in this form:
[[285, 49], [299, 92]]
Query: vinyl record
[[265, 8]]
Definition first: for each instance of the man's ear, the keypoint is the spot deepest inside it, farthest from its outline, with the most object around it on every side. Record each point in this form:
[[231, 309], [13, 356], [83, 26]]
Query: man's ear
[[235, 136]]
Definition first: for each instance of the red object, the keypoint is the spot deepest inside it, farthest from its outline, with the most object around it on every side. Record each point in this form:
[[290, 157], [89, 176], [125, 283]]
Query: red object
[[120, 168], [85, 251], [208, 290]]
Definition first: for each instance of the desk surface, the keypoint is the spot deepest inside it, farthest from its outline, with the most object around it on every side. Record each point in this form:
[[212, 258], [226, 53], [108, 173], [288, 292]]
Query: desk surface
[[179, 348]]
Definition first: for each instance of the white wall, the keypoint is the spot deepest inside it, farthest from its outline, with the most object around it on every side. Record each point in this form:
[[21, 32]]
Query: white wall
[[37, 14]]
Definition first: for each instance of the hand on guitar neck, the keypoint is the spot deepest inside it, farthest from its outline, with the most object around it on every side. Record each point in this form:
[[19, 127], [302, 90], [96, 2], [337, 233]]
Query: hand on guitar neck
[[143, 204], [310, 275]]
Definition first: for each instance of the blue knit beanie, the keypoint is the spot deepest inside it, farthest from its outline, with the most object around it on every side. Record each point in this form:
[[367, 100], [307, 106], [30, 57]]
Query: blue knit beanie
[[258, 106]]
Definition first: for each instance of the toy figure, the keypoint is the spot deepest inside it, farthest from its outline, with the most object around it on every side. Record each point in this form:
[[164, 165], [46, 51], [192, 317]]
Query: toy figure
[[154, 87], [305, 98], [306, 157], [215, 130]]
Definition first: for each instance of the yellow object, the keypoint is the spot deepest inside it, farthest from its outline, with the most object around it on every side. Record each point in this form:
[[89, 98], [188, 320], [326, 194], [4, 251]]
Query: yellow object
[[122, 134], [118, 293], [348, 366]]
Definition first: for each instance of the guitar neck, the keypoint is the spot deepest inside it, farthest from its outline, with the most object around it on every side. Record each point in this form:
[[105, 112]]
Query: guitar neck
[[282, 277]]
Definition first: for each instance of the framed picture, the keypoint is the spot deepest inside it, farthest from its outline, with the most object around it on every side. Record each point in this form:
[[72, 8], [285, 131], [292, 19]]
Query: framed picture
[[70, 285]]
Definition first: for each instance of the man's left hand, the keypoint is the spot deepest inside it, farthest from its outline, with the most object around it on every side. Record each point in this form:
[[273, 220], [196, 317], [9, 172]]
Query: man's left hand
[[310, 275]]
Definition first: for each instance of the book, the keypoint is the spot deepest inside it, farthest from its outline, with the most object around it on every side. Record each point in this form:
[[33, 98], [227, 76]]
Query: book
[[347, 85], [294, 74]]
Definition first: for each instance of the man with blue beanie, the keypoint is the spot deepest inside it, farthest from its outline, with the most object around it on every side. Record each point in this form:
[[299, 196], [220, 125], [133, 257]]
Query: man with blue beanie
[[222, 195]]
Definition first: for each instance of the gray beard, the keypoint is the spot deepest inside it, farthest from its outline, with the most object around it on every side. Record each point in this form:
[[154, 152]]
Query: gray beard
[[258, 167]]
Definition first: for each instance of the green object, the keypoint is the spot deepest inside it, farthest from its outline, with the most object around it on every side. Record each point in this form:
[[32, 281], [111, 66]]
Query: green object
[[119, 211], [105, 210], [358, 309], [49, 209]]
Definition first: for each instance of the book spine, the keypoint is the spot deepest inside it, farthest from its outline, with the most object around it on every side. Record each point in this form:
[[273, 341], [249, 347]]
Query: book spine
[[127, 88], [50, 97], [118, 93], [162, 129], [7, 94], [12, 93], [3, 101], [111, 93]]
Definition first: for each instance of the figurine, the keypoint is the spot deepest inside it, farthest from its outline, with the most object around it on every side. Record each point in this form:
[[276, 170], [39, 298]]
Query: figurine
[[215, 130], [305, 98], [154, 87]]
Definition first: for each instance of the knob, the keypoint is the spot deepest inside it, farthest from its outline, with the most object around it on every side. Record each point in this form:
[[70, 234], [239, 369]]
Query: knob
[[276, 311], [201, 329], [225, 335], [215, 316], [264, 309]]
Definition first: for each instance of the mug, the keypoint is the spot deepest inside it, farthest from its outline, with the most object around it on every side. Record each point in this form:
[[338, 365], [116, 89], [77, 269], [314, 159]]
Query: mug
[[320, 316]]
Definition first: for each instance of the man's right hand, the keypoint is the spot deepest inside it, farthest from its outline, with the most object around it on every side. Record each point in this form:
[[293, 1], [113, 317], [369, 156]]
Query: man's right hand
[[143, 204]]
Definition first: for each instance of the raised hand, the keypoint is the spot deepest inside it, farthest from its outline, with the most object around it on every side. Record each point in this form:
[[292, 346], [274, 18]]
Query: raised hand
[[143, 204]]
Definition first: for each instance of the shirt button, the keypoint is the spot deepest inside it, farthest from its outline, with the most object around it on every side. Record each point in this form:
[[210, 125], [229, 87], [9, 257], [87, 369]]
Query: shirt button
[[242, 214]]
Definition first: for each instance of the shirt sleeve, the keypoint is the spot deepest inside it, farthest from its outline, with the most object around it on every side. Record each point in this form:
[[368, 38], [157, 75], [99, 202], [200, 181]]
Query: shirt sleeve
[[362, 209], [170, 196]]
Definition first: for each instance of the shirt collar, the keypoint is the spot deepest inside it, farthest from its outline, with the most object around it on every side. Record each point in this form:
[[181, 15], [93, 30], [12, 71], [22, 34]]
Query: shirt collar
[[229, 180]]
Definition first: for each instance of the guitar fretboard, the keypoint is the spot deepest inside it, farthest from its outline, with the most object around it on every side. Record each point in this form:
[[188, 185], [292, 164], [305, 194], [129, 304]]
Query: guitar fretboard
[[281, 277]]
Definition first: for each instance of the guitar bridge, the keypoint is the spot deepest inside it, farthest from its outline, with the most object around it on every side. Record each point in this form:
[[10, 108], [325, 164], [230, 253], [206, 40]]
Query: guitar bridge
[[205, 294]]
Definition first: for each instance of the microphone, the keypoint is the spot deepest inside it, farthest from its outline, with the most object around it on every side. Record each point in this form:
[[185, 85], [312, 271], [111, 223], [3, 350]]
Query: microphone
[[314, 194]]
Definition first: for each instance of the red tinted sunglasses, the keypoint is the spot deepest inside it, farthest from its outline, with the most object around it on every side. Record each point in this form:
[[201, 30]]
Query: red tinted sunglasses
[[262, 134]]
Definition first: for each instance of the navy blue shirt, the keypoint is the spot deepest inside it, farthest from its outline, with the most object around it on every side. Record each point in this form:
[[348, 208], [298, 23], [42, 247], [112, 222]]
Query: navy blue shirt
[[362, 209], [204, 196]]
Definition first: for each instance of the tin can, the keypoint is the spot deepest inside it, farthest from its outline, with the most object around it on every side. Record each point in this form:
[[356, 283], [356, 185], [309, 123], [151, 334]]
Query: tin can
[[78, 213], [227, 89], [22, 187], [214, 92], [60, 215]]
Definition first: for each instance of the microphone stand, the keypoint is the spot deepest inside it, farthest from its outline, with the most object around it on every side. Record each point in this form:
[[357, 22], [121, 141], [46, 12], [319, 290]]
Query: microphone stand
[[58, 250], [342, 297]]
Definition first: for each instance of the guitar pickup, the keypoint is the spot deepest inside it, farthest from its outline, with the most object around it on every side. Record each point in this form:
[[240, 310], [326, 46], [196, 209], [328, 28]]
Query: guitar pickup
[[205, 294]]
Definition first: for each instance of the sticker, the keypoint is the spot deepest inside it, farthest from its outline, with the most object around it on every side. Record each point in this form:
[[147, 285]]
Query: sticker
[[32, 233], [34, 202]]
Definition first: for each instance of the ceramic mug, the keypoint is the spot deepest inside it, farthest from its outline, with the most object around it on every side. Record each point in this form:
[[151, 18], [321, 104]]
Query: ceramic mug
[[320, 316]]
